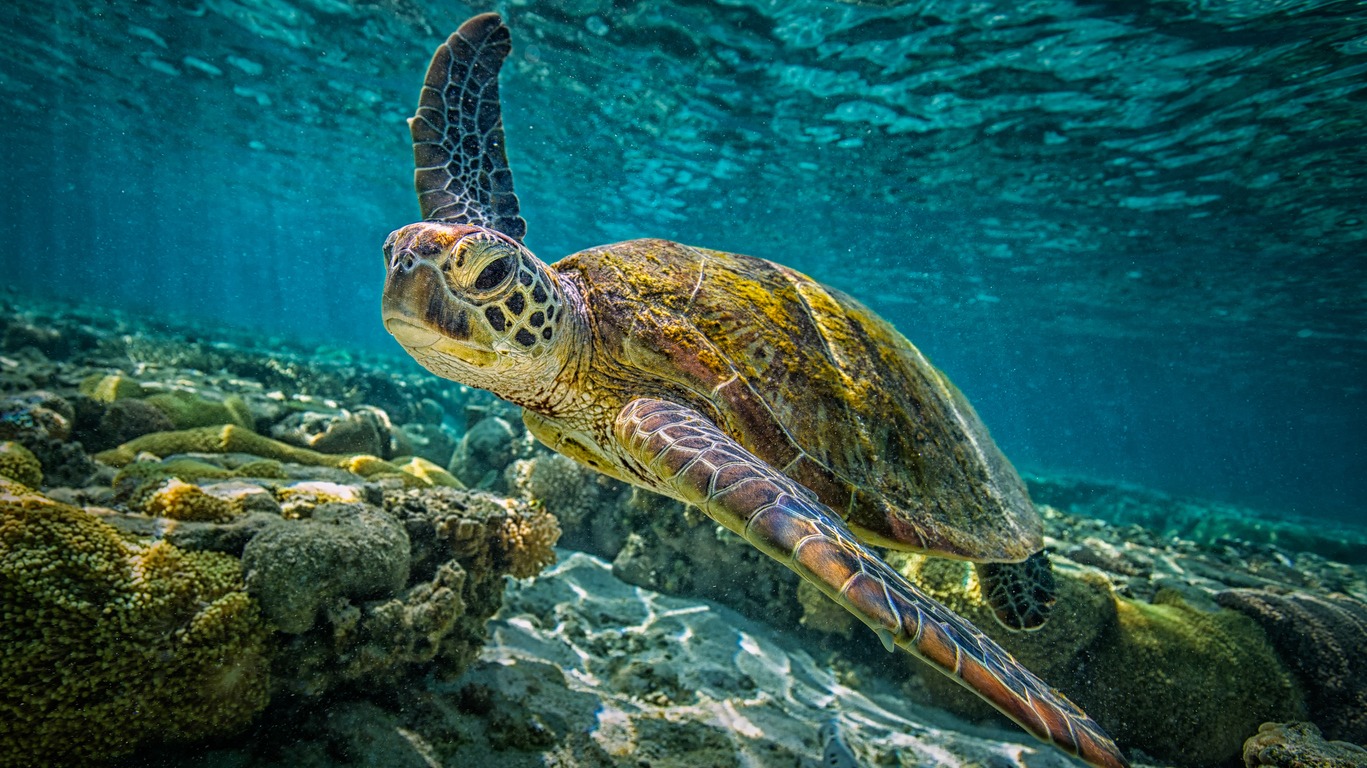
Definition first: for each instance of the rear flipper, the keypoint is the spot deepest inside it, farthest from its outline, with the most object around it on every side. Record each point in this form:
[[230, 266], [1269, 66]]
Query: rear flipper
[[691, 459], [1021, 594]]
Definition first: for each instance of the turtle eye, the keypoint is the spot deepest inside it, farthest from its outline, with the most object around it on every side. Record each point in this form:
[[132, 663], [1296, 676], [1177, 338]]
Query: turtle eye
[[494, 274]]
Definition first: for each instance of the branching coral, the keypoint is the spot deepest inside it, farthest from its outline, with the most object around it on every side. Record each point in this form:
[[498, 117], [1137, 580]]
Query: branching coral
[[94, 628], [529, 539]]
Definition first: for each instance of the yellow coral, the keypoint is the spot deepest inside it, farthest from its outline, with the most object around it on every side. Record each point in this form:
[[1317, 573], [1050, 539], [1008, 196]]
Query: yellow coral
[[19, 464], [94, 629], [529, 541], [179, 500]]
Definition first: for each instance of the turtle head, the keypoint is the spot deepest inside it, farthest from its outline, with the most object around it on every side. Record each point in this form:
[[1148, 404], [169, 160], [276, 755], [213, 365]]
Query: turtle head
[[473, 305]]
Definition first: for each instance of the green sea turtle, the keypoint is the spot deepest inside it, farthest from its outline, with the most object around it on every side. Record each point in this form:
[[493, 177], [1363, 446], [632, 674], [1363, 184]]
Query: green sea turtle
[[784, 409]]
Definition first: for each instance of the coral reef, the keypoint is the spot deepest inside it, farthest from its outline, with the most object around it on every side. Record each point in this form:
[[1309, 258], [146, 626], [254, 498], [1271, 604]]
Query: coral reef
[[95, 628], [349, 551], [18, 463], [1299, 745], [1185, 685], [1323, 638], [459, 549]]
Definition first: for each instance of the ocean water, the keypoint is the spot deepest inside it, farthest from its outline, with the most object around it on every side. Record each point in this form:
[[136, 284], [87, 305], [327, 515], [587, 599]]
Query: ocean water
[[1132, 233]]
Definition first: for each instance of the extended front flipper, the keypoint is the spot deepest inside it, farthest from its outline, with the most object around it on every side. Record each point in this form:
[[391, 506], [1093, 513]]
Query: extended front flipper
[[461, 165], [696, 462]]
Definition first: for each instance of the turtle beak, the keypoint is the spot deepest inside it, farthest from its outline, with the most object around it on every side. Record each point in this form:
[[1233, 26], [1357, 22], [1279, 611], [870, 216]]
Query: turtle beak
[[423, 316]]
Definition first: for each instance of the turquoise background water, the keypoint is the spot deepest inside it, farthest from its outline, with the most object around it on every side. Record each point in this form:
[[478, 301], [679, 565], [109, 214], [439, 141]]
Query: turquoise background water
[[1132, 233]]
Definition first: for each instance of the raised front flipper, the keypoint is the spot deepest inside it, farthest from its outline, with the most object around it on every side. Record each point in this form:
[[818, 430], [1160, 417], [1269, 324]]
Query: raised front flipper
[[696, 462], [462, 173]]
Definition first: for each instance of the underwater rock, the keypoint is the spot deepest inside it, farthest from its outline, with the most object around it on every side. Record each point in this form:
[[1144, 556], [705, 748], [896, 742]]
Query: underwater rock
[[364, 430], [1299, 745], [429, 441], [188, 410], [108, 643], [484, 452], [1184, 685], [1323, 639], [50, 341], [42, 422], [297, 567], [126, 420]]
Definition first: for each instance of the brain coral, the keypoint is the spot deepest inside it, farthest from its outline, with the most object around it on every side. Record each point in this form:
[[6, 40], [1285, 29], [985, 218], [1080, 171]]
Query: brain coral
[[95, 630]]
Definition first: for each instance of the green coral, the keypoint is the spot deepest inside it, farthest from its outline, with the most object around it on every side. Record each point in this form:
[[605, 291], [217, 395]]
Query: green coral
[[1183, 684], [106, 644], [18, 463]]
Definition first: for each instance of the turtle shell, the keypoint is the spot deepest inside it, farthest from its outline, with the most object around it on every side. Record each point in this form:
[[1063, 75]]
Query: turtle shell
[[812, 382]]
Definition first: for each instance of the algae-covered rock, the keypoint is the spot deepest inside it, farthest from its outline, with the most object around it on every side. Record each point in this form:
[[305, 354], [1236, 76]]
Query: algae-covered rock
[[421, 468], [1323, 639], [110, 387], [1183, 684], [232, 438], [108, 643], [461, 544], [188, 410], [126, 420], [296, 567]]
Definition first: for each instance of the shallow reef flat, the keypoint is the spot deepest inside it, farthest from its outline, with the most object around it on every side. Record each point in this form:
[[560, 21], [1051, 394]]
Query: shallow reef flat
[[284, 555]]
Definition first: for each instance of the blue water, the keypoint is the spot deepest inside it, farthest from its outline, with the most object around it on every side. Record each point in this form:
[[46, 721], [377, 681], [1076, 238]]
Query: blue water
[[1132, 233]]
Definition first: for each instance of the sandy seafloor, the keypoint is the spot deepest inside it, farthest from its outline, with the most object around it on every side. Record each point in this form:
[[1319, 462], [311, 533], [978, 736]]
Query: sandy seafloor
[[583, 668]]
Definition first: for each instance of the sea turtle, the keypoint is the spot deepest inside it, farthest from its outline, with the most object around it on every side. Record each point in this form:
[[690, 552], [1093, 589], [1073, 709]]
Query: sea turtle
[[784, 409]]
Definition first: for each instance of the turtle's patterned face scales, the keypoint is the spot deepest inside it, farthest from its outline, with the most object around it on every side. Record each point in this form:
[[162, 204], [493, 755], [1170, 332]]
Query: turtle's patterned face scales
[[467, 302]]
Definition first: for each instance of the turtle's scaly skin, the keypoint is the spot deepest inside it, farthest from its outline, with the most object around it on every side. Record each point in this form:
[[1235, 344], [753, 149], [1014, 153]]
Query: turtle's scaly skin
[[784, 409]]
